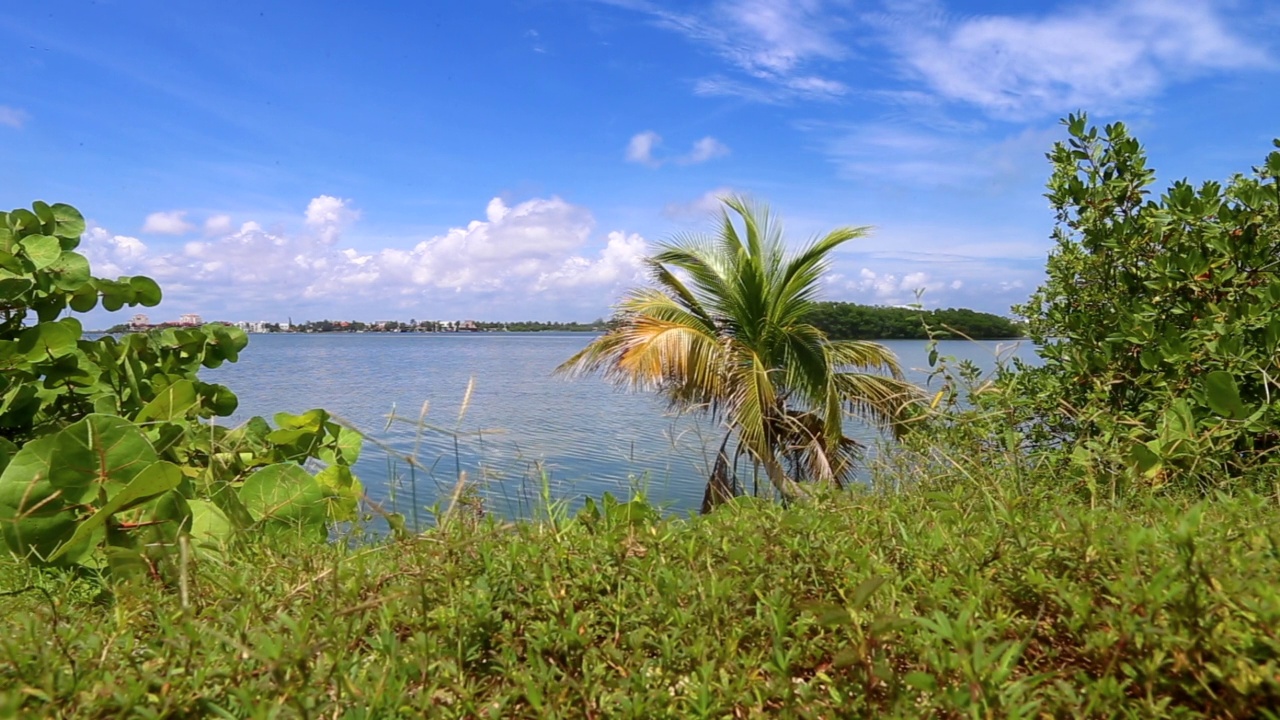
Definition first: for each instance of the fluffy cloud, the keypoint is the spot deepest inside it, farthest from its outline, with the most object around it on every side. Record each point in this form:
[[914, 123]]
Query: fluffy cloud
[[708, 148], [1103, 56], [173, 222], [642, 146], [13, 117], [535, 254], [112, 255], [328, 215], [217, 225]]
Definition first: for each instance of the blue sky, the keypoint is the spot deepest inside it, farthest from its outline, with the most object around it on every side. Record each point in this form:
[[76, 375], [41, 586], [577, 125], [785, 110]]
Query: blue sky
[[513, 160]]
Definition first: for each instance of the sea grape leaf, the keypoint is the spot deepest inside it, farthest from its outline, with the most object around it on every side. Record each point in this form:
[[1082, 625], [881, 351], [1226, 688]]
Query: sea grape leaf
[[41, 250], [71, 273], [172, 403], [35, 515], [285, 495], [100, 450], [155, 480], [208, 522], [344, 492], [146, 291], [49, 339], [70, 223]]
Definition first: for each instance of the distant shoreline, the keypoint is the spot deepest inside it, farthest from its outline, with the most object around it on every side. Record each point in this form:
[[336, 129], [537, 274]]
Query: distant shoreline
[[558, 332]]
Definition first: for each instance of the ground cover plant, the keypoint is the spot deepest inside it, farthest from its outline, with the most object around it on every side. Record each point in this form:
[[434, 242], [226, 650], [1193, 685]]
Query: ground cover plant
[[968, 600]]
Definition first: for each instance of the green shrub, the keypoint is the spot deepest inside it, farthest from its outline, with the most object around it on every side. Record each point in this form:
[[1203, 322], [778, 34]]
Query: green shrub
[[105, 455], [1157, 322]]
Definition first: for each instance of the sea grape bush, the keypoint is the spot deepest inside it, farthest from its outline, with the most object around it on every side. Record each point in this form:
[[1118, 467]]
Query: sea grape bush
[[1158, 321], [106, 452]]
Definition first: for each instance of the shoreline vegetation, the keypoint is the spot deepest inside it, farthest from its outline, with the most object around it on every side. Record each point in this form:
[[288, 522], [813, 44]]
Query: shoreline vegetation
[[1095, 536], [839, 320]]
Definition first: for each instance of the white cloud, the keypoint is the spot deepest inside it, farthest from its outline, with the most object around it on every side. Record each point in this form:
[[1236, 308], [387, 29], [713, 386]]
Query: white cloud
[[329, 215], [13, 117], [173, 222], [1102, 56], [956, 157], [770, 43], [708, 148], [111, 255], [642, 146], [537, 251], [217, 225]]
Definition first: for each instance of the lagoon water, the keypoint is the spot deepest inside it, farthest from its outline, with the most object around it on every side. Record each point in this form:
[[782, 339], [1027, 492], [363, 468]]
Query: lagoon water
[[521, 423]]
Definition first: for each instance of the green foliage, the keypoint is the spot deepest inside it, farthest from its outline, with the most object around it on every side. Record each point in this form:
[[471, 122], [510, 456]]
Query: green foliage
[[850, 321], [105, 455], [1157, 323], [961, 598]]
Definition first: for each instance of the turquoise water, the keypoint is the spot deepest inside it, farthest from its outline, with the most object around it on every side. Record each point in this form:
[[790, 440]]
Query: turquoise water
[[521, 423]]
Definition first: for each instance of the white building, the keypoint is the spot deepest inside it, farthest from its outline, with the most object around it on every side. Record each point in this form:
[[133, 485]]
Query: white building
[[190, 319]]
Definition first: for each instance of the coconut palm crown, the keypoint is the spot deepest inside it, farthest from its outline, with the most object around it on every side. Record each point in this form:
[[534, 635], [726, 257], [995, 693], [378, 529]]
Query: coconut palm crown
[[723, 329]]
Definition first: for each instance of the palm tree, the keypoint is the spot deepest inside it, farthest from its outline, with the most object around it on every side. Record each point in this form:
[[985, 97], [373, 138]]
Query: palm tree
[[723, 330]]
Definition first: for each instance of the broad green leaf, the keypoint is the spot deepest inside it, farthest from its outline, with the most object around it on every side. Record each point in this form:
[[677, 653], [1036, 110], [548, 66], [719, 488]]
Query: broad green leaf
[[41, 250], [344, 492], [71, 273], [284, 494], [311, 420], [155, 480], [208, 523], [220, 400], [35, 515], [1223, 395], [7, 451], [147, 292], [84, 300], [349, 443], [100, 451], [70, 223], [49, 340], [1145, 458], [45, 214], [13, 285], [24, 222], [172, 403]]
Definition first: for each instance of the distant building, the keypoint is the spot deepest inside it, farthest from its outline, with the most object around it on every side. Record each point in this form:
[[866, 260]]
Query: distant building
[[139, 322], [190, 319], [258, 326]]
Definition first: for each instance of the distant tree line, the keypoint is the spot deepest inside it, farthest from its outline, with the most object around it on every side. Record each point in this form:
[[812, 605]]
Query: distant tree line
[[537, 326], [395, 326], [850, 321]]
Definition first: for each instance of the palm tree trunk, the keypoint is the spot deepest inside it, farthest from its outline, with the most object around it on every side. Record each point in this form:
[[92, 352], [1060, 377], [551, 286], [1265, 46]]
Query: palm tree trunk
[[721, 486]]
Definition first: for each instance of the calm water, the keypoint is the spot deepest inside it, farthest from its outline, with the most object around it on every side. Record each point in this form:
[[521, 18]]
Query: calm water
[[520, 421]]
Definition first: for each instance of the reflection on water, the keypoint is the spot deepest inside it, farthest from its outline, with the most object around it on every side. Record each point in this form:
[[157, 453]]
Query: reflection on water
[[520, 421]]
